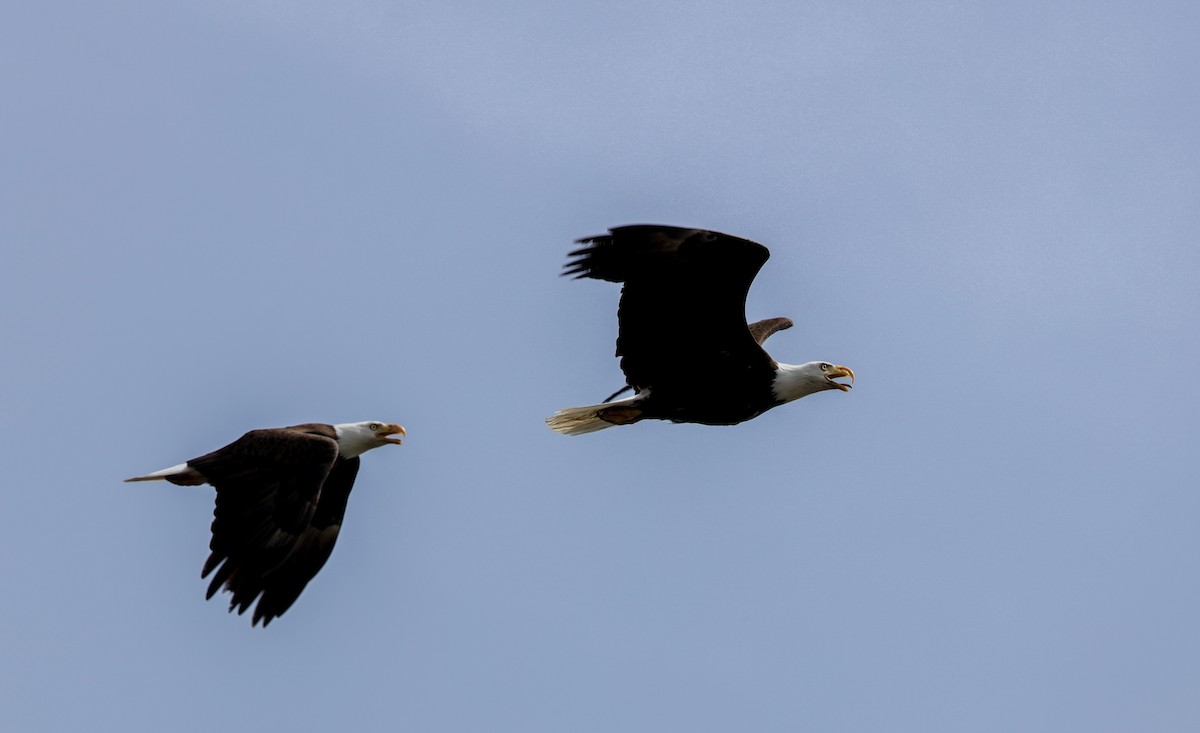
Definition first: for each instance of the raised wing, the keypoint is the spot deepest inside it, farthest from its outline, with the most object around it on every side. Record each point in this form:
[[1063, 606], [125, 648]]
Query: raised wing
[[682, 315]]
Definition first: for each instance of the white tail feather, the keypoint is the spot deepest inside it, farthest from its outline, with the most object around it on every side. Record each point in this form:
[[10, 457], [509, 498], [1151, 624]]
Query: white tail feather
[[577, 420], [182, 471], [580, 420]]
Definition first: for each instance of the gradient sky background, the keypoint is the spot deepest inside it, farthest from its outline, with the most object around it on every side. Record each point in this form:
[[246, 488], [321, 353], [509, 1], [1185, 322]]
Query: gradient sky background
[[226, 215]]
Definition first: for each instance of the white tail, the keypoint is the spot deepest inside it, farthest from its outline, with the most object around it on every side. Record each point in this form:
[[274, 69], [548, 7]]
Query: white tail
[[580, 420], [577, 420], [183, 474]]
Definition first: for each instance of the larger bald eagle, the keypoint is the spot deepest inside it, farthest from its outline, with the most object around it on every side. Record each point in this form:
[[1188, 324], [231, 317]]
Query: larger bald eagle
[[281, 496], [685, 347]]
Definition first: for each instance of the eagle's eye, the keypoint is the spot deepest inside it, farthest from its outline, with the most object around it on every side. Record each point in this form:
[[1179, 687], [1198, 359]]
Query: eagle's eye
[[374, 426], [824, 367]]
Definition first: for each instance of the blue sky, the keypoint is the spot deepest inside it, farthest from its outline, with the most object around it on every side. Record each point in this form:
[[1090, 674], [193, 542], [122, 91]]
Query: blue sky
[[226, 215]]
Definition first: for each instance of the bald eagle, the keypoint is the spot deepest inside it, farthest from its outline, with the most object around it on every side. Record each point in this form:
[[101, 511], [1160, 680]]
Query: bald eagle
[[685, 347], [281, 496]]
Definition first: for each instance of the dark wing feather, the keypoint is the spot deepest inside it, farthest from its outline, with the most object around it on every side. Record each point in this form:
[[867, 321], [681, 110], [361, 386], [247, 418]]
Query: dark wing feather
[[269, 485], [682, 315], [283, 585]]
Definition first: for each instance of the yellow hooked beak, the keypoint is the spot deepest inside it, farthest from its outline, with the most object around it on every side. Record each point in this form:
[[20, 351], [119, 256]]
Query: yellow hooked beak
[[840, 371], [393, 430]]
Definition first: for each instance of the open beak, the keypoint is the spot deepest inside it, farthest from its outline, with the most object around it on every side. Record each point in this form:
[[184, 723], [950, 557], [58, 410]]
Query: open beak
[[394, 430], [840, 371]]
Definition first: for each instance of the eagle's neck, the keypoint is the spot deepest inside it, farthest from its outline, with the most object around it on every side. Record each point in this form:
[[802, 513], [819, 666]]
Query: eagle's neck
[[793, 381]]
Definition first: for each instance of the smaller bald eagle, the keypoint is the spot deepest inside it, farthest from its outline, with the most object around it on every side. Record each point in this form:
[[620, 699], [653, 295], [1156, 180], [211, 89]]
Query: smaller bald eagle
[[281, 497], [685, 347]]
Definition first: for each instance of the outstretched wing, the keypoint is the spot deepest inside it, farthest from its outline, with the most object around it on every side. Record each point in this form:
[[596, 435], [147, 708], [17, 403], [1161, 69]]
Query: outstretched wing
[[682, 316], [269, 490]]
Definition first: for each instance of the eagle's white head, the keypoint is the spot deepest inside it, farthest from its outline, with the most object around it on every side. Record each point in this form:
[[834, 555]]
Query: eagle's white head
[[793, 381], [356, 438]]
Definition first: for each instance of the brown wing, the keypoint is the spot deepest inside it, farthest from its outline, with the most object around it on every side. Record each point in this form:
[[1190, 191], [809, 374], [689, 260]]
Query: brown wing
[[269, 486], [762, 330], [682, 317], [282, 586]]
